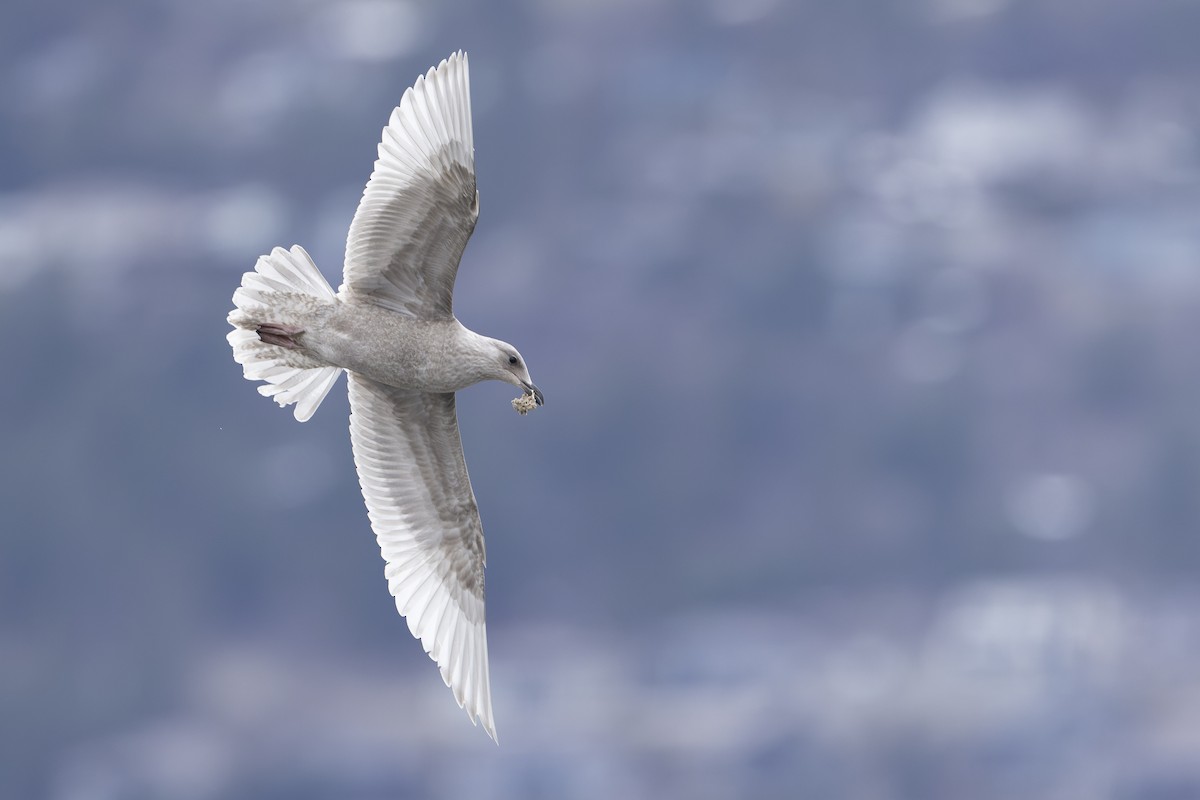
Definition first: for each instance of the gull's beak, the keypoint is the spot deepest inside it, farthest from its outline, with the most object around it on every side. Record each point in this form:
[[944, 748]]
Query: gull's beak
[[537, 393]]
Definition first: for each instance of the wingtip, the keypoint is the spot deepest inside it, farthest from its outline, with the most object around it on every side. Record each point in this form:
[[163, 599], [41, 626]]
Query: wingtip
[[457, 57], [488, 721], [484, 720]]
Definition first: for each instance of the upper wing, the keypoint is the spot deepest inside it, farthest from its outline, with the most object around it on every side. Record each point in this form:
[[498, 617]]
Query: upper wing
[[420, 205], [414, 479]]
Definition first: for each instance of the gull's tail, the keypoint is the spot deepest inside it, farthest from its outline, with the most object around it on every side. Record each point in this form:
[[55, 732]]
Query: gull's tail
[[285, 292]]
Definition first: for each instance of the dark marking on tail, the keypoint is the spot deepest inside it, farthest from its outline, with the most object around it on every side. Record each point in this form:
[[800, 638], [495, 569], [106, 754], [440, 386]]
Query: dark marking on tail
[[279, 335]]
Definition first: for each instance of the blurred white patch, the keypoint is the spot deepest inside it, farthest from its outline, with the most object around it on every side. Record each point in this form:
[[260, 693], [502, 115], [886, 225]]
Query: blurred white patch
[[740, 12], [243, 220], [370, 30], [988, 134], [1050, 506], [1028, 626], [1002, 650], [97, 232], [93, 231], [293, 474], [18, 247]]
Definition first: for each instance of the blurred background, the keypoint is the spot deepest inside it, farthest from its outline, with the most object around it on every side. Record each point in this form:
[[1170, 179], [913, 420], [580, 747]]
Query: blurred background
[[870, 467]]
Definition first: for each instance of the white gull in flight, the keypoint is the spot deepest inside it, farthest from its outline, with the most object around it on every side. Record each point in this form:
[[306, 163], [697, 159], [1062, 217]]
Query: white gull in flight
[[391, 327]]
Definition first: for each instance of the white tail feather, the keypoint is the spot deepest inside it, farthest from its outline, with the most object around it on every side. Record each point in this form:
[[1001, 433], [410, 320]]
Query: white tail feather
[[285, 289]]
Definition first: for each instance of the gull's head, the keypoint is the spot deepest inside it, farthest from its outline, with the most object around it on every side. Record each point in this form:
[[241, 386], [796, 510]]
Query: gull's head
[[511, 368]]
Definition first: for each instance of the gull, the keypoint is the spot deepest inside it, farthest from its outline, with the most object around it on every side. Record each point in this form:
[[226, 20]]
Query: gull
[[391, 328]]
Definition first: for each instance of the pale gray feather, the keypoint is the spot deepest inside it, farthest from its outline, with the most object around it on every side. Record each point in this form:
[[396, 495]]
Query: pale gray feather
[[414, 480], [420, 205]]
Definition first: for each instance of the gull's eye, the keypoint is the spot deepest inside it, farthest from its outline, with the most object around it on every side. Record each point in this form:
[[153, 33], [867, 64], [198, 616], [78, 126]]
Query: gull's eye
[[513, 360]]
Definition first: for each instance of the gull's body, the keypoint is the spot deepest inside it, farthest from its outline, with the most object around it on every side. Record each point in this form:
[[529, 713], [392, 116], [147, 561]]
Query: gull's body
[[391, 327], [395, 350]]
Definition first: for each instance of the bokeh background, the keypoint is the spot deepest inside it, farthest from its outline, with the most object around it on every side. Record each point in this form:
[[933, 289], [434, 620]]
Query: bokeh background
[[871, 461]]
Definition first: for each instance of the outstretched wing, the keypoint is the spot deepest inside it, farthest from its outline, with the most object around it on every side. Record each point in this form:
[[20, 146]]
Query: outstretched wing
[[422, 509], [420, 205]]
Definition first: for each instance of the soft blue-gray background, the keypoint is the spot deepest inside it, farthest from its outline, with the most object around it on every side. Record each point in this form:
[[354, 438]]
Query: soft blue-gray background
[[871, 463]]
